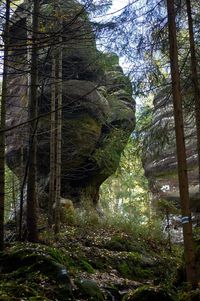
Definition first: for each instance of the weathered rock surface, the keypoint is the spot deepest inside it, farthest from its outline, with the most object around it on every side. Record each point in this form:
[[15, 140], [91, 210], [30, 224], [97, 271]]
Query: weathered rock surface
[[160, 162], [98, 109]]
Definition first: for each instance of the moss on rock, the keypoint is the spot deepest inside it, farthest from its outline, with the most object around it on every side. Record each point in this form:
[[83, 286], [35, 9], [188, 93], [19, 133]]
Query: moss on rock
[[150, 293], [31, 272], [90, 289]]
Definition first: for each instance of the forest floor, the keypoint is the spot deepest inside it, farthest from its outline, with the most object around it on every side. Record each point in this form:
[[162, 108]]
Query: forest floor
[[90, 262]]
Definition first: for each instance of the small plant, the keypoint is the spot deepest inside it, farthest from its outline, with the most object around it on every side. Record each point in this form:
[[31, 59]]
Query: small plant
[[61, 257]]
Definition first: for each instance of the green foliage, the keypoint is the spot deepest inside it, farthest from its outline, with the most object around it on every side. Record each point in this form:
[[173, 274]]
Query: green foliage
[[165, 207], [190, 296], [125, 269], [61, 257], [13, 289], [150, 230], [83, 219], [86, 266], [127, 191], [108, 60]]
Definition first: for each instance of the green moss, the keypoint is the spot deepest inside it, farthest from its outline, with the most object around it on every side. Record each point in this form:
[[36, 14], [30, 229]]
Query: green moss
[[131, 268], [107, 156], [13, 288], [125, 269], [150, 293], [90, 289], [25, 270], [122, 111], [83, 133], [118, 243], [83, 124]]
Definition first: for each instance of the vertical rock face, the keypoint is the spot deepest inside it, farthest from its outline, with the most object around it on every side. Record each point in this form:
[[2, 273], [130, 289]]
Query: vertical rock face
[[98, 109], [160, 161]]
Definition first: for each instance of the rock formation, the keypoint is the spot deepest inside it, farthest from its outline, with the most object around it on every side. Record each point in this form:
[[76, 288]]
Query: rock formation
[[98, 109], [160, 161]]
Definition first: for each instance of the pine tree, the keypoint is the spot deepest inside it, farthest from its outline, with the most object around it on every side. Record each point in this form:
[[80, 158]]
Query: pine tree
[[3, 121], [58, 140], [52, 144], [194, 74], [180, 145], [31, 185]]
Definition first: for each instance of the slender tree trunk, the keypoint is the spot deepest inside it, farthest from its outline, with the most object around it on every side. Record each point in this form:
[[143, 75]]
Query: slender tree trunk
[[169, 231], [31, 185], [52, 145], [59, 140], [181, 151], [24, 170], [194, 74], [14, 199], [2, 124]]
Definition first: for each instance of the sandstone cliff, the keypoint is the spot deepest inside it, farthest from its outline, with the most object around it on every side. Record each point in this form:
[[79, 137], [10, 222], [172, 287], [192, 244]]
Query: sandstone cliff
[[98, 109], [160, 160]]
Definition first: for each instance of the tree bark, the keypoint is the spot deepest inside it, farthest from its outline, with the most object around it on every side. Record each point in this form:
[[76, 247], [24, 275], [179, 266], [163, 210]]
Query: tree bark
[[59, 139], [31, 185], [181, 151], [52, 144], [194, 74], [2, 123]]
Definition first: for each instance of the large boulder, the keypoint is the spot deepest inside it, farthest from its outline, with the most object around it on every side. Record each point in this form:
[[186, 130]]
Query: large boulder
[[98, 109]]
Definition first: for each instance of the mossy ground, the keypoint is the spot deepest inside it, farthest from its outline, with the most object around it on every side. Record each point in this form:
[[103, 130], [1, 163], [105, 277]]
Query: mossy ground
[[115, 260]]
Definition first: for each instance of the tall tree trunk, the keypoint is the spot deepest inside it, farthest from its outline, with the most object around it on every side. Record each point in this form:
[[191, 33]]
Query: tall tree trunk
[[194, 74], [24, 169], [59, 139], [2, 124], [181, 151], [31, 185], [52, 144], [14, 199]]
